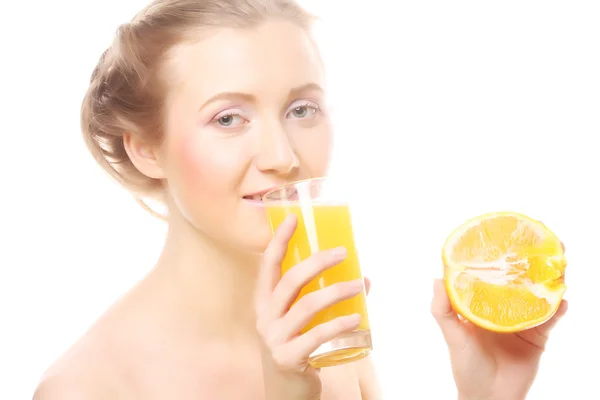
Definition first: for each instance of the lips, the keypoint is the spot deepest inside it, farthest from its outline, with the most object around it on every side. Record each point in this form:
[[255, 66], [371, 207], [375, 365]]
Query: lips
[[255, 197], [288, 193]]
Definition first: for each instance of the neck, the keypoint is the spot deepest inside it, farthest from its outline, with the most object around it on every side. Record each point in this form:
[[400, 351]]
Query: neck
[[215, 282]]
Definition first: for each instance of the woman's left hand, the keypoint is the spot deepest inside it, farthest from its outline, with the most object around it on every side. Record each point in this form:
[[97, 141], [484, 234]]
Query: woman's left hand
[[488, 365]]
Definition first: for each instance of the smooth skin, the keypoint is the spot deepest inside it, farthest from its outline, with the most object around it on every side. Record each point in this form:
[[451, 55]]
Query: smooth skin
[[246, 111], [488, 365]]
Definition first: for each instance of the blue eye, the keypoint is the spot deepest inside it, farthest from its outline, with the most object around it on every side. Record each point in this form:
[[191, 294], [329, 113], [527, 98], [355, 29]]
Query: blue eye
[[303, 111], [229, 120]]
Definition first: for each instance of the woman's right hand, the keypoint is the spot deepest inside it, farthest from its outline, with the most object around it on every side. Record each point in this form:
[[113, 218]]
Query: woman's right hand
[[287, 372]]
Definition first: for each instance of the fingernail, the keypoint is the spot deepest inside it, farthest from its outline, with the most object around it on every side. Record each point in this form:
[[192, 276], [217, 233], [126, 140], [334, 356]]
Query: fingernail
[[339, 252], [357, 285], [354, 319]]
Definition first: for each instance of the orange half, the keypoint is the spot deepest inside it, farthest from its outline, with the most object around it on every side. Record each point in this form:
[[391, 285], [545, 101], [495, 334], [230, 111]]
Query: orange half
[[504, 271]]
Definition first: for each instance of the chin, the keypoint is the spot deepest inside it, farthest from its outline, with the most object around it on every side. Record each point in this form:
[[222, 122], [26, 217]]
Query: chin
[[251, 244], [252, 233], [255, 241], [248, 235]]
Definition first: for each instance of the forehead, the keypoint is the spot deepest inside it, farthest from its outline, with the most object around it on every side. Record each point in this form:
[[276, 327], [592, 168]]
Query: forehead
[[271, 57]]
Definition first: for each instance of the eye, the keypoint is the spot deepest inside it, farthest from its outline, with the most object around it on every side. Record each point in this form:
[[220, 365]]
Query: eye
[[303, 111], [229, 120]]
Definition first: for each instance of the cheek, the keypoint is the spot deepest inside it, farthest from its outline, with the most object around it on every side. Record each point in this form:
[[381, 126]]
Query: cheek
[[194, 164], [314, 149], [198, 176]]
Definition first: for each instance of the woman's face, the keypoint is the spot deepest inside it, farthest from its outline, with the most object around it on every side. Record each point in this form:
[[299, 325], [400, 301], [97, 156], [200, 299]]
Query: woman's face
[[247, 113]]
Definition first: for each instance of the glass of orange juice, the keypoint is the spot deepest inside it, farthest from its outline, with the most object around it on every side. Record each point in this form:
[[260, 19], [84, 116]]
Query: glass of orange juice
[[324, 222]]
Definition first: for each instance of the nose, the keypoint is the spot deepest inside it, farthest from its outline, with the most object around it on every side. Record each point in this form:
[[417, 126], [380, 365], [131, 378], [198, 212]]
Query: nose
[[276, 153]]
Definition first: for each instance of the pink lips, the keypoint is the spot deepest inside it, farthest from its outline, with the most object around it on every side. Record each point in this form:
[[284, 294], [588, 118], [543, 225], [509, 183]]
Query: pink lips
[[254, 200], [257, 196]]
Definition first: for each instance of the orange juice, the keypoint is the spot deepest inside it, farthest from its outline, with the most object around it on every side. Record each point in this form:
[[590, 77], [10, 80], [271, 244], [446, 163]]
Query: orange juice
[[322, 227]]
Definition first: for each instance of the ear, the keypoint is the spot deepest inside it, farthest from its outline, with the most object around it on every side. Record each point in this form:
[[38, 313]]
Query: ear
[[143, 155]]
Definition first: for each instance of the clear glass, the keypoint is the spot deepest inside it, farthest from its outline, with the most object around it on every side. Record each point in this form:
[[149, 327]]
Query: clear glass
[[324, 222]]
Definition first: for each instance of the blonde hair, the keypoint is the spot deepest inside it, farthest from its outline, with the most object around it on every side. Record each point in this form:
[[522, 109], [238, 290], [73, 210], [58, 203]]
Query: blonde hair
[[126, 94]]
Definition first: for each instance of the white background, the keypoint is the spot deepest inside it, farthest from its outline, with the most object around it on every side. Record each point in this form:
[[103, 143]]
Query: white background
[[444, 110]]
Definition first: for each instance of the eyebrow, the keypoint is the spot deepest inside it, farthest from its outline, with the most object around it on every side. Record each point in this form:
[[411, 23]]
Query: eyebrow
[[251, 98], [304, 88]]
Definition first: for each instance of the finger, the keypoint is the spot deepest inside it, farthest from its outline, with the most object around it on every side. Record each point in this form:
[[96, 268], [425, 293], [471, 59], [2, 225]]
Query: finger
[[302, 347], [367, 285], [270, 272], [547, 326], [441, 309], [309, 305], [298, 276]]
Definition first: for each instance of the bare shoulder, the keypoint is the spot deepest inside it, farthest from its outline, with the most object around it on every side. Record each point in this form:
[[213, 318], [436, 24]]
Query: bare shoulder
[[70, 387], [94, 366], [83, 372], [89, 369]]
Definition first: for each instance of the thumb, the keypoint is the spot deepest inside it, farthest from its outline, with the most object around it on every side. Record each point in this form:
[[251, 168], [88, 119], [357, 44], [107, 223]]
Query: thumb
[[452, 328], [547, 326], [367, 285]]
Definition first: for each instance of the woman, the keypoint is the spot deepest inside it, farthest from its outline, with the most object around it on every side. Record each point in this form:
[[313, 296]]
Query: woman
[[202, 105]]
